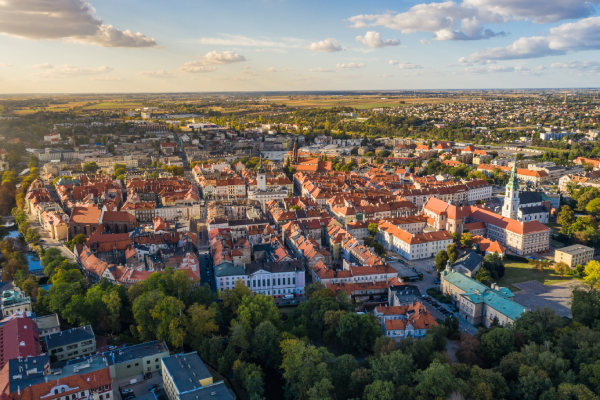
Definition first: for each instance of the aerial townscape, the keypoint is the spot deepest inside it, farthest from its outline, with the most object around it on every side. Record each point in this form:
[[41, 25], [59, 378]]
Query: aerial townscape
[[401, 202]]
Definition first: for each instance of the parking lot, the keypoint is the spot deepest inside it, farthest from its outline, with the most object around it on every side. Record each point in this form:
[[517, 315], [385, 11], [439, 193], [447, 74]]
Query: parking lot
[[140, 388]]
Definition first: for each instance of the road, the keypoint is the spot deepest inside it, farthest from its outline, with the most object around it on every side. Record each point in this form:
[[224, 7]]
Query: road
[[46, 241], [430, 276]]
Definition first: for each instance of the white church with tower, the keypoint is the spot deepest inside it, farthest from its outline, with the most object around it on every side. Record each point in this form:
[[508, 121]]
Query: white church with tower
[[526, 205], [262, 195]]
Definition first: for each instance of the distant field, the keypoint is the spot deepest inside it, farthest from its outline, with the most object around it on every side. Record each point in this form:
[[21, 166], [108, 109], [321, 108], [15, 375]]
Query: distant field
[[110, 105], [547, 149], [367, 102]]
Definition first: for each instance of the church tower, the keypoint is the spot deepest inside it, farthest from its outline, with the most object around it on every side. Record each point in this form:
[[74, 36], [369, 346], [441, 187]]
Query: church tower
[[261, 177], [295, 153], [510, 209]]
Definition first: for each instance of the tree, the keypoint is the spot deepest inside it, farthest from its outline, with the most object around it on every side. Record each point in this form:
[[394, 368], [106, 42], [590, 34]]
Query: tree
[[321, 390], [11, 268], [341, 371], [493, 262], [255, 309], [562, 268], [538, 325], [201, 322], [467, 239], [265, 344], [90, 167], [232, 298], [395, 367], [585, 306], [32, 236], [593, 207], [484, 277], [452, 251], [441, 260], [437, 381], [112, 301], [380, 390], [592, 274], [34, 162], [496, 344], [30, 286], [373, 229], [176, 170], [303, 365], [169, 326], [358, 332]]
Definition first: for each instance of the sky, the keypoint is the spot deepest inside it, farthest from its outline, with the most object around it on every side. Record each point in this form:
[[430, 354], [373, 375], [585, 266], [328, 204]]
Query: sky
[[114, 46]]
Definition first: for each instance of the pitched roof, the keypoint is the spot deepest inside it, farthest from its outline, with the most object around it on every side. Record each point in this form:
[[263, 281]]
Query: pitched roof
[[85, 215]]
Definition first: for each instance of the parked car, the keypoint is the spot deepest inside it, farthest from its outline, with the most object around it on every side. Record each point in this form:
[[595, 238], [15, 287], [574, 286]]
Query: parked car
[[128, 396], [126, 391], [148, 375], [153, 387], [437, 282]]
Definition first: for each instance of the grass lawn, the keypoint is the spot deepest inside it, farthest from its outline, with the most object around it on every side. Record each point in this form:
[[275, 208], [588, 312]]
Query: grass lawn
[[522, 272]]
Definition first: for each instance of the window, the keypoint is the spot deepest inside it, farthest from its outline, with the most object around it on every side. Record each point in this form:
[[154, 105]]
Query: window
[[129, 366], [148, 362]]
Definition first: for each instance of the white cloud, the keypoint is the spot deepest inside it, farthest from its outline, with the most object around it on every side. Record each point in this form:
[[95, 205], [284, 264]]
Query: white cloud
[[212, 58], [66, 70], [329, 45], [373, 40], [5, 65], [157, 74], [408, 65], [450, 20], [387, 75], [238, 40], [196, 67], [41, 66], [222, 57], [285, 69], [494, 69], [442, 19], [64, 19], [566, 38], [424, 41], [592, 66], [393, 62], [540, 12], [271, 69], [108, 78], [322, 70], [351, 65]]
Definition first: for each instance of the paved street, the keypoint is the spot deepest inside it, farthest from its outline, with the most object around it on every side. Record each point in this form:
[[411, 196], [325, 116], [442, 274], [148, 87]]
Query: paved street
[[426, 267], [46, 241]]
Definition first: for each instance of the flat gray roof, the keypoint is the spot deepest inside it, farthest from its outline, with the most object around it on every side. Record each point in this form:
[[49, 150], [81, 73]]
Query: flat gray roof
[[136, 351], [186, 370], [74, 335]]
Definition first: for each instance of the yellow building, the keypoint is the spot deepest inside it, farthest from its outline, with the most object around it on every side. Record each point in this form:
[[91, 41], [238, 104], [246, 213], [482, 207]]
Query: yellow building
[[574, 255]]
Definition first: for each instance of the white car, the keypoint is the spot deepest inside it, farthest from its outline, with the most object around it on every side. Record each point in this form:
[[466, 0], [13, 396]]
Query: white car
[[392, 257]]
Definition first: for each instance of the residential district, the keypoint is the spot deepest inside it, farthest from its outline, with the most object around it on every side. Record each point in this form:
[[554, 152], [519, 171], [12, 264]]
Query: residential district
[[408, 234]]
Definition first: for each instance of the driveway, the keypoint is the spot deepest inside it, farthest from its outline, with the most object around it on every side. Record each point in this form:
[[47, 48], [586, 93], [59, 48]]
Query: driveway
[[534, 294], [46, 241]]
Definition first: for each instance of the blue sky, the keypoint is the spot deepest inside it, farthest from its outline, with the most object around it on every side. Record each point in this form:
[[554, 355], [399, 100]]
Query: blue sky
[[148, 46]]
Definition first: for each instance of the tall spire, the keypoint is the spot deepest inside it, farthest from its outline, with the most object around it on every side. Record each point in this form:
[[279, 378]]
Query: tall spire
[[513, 181]]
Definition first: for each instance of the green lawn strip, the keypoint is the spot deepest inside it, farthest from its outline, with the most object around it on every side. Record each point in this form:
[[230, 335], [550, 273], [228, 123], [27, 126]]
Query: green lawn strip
[[435, 293], [522, 272]]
